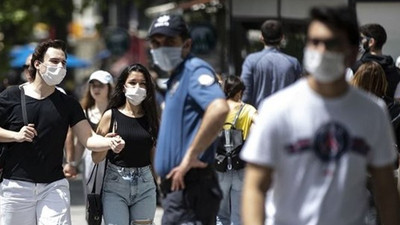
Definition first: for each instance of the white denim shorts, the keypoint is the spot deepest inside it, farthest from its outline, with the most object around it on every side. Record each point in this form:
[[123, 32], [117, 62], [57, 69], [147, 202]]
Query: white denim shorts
[[30, 203]]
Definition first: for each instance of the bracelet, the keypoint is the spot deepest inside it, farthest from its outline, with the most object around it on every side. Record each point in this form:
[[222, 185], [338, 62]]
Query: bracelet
[[73, 163]]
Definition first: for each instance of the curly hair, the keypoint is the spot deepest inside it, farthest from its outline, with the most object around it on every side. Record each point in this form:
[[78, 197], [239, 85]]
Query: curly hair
[[41, 50]]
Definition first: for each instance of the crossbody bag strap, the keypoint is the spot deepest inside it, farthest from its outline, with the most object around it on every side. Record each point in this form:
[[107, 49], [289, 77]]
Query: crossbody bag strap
[[237, 116], [94, 172], [23, 104]]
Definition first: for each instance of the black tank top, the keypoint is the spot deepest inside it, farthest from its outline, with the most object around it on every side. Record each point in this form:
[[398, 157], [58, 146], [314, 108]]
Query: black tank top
[[92, 125], [138, 141]]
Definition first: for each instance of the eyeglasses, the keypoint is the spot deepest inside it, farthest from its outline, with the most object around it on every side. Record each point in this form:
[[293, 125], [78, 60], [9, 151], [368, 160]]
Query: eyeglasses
[[330, 44], [24, 67]]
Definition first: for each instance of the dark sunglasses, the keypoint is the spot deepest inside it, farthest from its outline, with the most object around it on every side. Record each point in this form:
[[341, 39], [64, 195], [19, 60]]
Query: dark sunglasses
[[25, 67], [332, 43]]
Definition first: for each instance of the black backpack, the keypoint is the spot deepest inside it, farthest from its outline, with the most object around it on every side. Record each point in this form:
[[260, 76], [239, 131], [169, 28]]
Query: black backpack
[[229, 144]]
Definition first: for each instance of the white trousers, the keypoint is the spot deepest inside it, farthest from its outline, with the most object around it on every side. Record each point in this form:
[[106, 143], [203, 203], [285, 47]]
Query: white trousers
[[29, 203]]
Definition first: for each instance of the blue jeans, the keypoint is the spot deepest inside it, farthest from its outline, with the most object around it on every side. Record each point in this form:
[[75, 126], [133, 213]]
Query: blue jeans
[[129, 195], [231, 183]]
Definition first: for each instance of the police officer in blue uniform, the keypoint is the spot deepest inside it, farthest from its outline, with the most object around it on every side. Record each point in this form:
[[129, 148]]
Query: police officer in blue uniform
[[195, 110]]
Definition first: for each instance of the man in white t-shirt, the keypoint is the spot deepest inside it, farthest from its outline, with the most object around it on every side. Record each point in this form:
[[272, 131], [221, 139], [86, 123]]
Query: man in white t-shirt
[[316, 141]]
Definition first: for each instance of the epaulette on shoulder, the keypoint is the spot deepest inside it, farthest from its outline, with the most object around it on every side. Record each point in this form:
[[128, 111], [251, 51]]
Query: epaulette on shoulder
[[196, 63]]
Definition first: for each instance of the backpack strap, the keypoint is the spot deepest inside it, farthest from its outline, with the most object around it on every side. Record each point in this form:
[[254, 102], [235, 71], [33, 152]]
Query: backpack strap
[[237, 116], [23, 104]]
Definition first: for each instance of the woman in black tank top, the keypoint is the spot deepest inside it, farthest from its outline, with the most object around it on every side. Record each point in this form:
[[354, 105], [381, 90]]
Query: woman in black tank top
[[129, 191]]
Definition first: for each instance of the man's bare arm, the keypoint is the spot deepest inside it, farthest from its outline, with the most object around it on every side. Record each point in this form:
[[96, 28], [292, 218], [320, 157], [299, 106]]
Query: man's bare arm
[[255, 186], [212, 122]]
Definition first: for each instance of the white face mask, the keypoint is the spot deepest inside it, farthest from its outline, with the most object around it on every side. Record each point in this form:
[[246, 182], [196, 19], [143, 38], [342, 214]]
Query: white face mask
[[167, 58], [135, 95], [53, 75], [324, 67]]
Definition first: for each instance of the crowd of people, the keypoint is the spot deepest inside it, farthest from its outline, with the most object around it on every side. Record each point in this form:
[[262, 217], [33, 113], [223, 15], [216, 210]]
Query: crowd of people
[[278, 144]]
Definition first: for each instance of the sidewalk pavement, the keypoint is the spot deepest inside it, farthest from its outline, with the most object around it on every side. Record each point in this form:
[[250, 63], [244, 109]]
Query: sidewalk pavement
[[78, 204]]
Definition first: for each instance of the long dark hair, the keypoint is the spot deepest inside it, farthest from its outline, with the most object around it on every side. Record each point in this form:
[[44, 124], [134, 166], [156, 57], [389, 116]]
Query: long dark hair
[[118, 98]]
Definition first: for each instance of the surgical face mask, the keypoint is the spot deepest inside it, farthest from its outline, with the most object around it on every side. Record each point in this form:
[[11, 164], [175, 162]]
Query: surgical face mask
[[167, 58], [324, 67], [135, 95], [54, 75]]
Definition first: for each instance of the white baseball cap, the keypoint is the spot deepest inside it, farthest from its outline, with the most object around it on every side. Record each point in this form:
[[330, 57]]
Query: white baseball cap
[[398, 62], [102, 76]]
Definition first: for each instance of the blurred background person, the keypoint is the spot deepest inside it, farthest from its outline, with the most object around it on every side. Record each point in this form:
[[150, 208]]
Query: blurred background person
[[231, 176], [269, 70], [373, 37], [25, 70], [370, 77], [94, 102], [129, 190]]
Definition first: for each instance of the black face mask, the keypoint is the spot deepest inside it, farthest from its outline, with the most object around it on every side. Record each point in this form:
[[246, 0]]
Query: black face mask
[[364, 46]]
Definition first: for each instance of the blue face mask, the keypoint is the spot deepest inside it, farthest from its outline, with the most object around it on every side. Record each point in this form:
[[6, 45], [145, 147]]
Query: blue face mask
[[167, 58]]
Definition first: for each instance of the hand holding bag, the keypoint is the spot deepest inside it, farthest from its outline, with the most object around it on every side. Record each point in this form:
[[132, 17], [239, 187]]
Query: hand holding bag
[[94, 205]]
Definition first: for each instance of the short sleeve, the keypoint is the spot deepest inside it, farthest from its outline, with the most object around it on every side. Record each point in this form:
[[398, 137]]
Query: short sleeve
[[204, 88], [76, 113], [265, 141], [3, 107], [7, 100]]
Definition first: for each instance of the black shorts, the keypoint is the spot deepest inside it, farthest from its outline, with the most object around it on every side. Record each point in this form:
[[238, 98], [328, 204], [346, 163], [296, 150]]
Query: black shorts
[[198, 203]]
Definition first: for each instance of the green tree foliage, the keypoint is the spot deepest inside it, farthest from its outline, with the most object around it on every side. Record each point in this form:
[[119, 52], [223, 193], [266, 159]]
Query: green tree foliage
[[17, 18]]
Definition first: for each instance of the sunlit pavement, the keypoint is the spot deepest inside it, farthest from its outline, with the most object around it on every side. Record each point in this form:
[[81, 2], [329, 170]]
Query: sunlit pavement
[[78, 204]]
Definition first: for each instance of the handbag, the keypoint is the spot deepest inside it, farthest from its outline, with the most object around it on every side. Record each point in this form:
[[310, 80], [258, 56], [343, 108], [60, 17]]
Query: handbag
[[94, 204], [229, 144], [4, 146]]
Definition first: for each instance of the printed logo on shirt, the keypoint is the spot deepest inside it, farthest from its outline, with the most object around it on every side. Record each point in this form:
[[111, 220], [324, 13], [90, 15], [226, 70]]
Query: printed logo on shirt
[[206, 79], [330, 143]]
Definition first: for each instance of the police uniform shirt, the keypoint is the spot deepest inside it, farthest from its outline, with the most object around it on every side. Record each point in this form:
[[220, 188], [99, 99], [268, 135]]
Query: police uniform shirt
[[190, 90]]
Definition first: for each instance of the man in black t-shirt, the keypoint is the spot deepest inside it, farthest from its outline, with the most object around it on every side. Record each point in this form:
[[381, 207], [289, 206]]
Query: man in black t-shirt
[[34, 189]]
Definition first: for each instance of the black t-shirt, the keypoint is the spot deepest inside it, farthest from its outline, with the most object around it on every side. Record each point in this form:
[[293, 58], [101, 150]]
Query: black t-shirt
[[138, 141], [39, 161]]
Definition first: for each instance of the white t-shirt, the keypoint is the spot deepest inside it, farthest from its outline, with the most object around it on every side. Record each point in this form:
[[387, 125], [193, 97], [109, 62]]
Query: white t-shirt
[[319, 149]]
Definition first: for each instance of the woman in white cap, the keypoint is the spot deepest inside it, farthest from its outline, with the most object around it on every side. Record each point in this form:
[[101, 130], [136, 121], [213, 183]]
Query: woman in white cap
[[94, 103], [129, 190]]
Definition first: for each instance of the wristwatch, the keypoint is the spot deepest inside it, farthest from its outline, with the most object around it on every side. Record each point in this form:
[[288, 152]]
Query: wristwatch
[[73, 163]]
